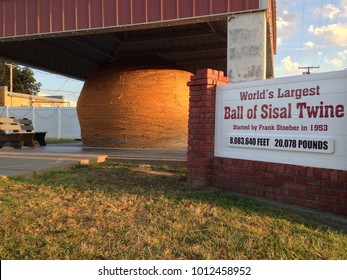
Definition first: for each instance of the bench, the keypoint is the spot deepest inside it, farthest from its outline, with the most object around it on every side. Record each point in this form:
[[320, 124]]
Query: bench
[[27, 125], [15, 137]]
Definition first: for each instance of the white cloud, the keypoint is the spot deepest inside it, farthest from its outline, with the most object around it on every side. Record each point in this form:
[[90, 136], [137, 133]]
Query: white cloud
[[287, 21], [343, 54], [343, 8], [290, 66], [328, 11], [310, 45], [334, 34], [331, 12], [287, 24], [335, 62]]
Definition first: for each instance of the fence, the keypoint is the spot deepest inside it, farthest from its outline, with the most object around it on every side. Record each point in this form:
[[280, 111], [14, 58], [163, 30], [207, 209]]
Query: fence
[[59, 122]]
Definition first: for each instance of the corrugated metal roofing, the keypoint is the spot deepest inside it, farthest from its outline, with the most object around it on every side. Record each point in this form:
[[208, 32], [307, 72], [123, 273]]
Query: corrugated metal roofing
[[34, 17], [75, 37]]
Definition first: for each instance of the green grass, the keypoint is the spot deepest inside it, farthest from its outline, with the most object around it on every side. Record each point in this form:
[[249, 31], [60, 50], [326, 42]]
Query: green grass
[[115, 211]]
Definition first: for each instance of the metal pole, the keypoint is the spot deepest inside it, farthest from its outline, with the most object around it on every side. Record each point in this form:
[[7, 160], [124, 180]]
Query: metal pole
[[59, 122], [308, 69], [11, 78], [11, 66]]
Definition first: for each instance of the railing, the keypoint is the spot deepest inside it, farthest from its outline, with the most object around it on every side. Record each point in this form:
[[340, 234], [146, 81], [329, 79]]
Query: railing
[[59, 122]]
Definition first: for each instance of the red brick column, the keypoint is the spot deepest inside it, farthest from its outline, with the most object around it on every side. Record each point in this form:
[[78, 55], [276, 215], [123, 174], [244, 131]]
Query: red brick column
[[201, 124]]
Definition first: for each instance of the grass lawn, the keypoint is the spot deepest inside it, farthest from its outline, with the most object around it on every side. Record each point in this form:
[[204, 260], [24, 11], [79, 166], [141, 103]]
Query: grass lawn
[[114, 211]]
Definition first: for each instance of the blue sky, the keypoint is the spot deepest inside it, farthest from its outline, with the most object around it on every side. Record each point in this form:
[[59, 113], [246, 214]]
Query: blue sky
[[309, 33], [53, 84]]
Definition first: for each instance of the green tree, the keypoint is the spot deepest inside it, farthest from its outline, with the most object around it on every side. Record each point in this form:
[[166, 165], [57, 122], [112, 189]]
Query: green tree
[[23, 79]]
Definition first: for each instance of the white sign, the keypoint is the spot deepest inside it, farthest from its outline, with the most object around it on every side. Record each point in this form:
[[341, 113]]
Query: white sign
[[298, 120]]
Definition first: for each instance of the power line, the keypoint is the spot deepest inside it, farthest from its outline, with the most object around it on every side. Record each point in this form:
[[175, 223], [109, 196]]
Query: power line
[[323, 36], [55, 90], [302, 29], [337, 17], [319, 25]]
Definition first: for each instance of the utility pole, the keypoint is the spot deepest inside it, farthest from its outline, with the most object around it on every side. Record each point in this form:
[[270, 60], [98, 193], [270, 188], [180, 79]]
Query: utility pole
[[308, 69], [11, 66]]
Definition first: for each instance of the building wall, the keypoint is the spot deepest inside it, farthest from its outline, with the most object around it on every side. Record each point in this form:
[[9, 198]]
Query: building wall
[[6, 100], [19, 100], [317, 188]]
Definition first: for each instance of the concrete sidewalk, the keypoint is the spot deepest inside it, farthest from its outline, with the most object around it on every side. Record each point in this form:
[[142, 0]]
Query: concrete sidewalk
[[34, 161]]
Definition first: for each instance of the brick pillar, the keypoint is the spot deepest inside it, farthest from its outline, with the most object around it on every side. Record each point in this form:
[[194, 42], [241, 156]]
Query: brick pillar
[[201, 124]]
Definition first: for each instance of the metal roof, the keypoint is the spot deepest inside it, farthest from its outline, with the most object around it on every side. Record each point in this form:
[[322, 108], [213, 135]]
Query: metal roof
[[75, 37]]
